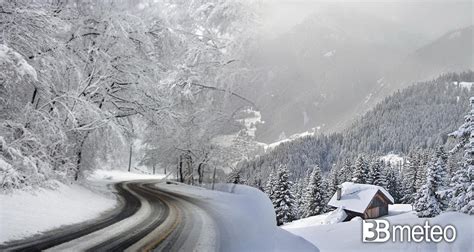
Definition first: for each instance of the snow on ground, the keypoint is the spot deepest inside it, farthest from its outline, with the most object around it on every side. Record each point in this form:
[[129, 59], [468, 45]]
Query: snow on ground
[[310, 221], [312, 132], [346, 236], [26, 213], [394, 159], [117, 176], [245, 218], [464, 84]]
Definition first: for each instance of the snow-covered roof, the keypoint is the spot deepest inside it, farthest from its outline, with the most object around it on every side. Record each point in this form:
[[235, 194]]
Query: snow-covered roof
[[357, 197]]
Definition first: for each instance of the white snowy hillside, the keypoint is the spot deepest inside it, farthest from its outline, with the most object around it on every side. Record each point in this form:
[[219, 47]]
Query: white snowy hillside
[[346, 236], [312, 132]]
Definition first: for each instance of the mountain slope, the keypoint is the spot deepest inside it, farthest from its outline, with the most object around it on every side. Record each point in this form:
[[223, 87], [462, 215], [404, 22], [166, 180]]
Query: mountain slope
[[419, 116], [450, 53], [335, 66]]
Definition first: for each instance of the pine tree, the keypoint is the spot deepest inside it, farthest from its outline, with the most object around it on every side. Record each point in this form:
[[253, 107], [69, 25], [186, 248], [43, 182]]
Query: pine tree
[[314, 198], [333, 181], [283, 198], [270, 186], [376, 176], [326, 194], [345, 173], [298, 191], [361, 171], [427, 203], [441, 162], [392, 182], [411, 177], [424, 160], [452, 166], [461, 192]]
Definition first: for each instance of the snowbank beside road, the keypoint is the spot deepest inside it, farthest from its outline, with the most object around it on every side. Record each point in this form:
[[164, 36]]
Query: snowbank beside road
[[245, 218], [25, 214]]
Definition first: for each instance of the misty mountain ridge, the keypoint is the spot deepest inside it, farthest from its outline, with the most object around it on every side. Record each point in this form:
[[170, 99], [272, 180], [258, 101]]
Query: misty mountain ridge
[[333, 57], [451, 52], [418, 117]]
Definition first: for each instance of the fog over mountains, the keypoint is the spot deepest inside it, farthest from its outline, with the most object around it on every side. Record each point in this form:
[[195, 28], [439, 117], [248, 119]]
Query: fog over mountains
[[341, 59]]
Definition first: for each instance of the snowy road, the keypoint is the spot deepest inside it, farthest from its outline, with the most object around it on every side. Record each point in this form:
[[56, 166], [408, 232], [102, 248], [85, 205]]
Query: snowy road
[[149, 219]]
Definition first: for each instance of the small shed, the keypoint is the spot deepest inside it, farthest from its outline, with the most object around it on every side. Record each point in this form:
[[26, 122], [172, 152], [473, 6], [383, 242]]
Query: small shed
[[366, 201]]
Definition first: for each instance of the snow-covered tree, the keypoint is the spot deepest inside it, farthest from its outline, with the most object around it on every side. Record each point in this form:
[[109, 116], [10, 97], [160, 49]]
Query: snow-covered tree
[[345, 173], [314, 194], [376, 175], [393, 182], [412, 176], [298, 189], [461, 192], [327, 194], [333, 181], [441, 163], [427, 203], [271, 184], [361, 170], [283, 199], [235, 177]]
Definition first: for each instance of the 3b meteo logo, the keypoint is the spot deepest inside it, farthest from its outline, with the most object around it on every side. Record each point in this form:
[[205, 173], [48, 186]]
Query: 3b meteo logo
[[382, 231]]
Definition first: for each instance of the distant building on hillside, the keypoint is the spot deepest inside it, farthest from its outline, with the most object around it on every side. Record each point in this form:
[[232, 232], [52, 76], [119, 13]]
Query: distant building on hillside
[[366, 201]]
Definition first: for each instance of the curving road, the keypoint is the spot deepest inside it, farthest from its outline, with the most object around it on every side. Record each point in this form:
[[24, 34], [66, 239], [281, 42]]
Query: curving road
[[148, 219]]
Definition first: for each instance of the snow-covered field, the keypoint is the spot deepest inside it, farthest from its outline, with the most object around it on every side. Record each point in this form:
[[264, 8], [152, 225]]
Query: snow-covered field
[[26, 213], [346, 236]]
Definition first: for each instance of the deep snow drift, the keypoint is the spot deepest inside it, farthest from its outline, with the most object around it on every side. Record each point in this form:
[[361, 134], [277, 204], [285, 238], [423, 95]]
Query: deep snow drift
[[346, 236]]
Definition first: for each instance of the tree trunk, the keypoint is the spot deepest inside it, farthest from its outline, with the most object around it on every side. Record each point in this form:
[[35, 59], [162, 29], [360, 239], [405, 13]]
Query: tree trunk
[[200, 172], [130, 159], [34, 96], [180, 169], [213, 178], [154, 169], [189, 171], [79, 156]]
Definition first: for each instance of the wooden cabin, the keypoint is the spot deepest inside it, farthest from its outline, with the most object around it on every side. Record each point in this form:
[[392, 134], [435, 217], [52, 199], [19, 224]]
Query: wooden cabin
[[365, 201]]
